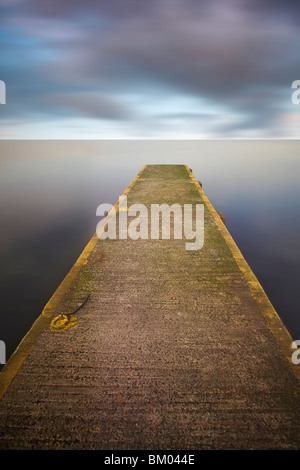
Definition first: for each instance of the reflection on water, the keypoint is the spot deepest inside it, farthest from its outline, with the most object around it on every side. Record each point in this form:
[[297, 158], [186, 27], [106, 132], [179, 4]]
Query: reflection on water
[[49, 192]]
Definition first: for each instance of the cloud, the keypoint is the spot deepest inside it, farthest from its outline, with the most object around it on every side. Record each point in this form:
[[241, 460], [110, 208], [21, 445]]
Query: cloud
[[89, 104], [121, 61]]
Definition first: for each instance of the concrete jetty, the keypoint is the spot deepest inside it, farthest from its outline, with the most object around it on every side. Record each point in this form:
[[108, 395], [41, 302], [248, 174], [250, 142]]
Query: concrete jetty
[[174, 349]]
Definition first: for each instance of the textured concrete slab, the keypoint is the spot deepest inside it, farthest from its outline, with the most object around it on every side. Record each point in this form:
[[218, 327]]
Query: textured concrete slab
[[174, 349]]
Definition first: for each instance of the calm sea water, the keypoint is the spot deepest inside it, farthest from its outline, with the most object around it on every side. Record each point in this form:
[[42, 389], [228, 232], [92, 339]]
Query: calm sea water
[[49, 191]]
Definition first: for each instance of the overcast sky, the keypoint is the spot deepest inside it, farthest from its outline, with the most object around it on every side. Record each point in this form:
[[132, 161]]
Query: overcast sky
[[149, 68]]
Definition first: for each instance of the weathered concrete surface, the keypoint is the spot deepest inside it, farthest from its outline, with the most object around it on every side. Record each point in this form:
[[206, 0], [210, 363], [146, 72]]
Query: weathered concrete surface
[[170, 352]]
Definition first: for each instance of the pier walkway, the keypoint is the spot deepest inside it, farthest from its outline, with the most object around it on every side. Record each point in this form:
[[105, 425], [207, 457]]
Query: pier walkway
[[174, 349]]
